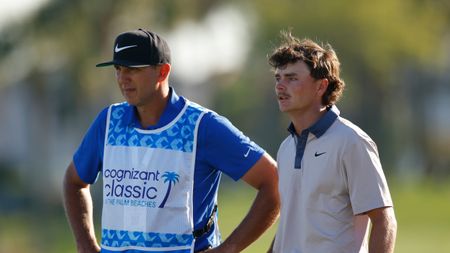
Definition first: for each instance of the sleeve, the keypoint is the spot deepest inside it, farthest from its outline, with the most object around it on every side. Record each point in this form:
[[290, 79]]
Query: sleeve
[[226, 147], [89, 156], [367, 184]]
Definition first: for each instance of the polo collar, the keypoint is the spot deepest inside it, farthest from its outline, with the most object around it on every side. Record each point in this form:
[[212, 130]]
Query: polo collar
[[174, 106], [322, 125], [318, 129]]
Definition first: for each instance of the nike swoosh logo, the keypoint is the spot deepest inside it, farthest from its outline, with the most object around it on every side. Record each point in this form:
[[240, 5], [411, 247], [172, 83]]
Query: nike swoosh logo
[[248, 152], [118, 49], [319, 154]]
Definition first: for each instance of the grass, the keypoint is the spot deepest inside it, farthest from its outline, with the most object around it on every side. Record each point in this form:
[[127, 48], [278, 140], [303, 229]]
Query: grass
[[35, 232], [422, 210], [234, 202], [423, 217]]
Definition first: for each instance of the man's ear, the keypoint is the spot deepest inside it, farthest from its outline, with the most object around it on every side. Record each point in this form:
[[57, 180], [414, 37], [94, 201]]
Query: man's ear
[[323, 85], [164, 71]]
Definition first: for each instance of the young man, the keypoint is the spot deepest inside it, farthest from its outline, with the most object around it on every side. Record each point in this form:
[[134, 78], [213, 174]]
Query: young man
[[331, 181], [161, 158]]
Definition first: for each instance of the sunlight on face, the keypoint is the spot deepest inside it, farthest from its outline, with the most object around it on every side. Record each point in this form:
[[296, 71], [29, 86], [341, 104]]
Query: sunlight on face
[[138, 85], [296, 89]]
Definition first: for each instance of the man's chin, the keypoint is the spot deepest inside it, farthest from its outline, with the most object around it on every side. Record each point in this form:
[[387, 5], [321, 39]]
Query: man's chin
[[282, 108], [130, 101]]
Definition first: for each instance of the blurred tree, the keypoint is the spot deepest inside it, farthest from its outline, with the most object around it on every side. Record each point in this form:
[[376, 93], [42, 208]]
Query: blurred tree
[[48, 63], [374, 41], [394, 53]]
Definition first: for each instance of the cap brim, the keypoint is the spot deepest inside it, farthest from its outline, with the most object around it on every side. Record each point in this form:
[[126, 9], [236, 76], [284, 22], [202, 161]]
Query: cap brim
[[122, 63], [104, 64]]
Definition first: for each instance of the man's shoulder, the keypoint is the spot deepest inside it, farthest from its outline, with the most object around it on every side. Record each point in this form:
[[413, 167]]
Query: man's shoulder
[[119, 105], [117, 108], [210, 117], [101, 116], [198, 107], [348, 130], [287, 143]]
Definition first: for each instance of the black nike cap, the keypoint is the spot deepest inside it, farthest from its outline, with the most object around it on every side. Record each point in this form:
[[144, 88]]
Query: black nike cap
[[139, 48]]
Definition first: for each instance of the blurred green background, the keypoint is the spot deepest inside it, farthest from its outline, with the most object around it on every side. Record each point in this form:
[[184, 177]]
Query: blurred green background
[[395, 57]]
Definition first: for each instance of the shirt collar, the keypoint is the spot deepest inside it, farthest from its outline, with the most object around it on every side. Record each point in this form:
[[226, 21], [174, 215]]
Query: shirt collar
[[174, 106], [322, 125]]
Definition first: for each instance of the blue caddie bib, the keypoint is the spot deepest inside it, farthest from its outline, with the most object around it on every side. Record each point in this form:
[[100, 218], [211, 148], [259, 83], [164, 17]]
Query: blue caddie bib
[[148, 178]]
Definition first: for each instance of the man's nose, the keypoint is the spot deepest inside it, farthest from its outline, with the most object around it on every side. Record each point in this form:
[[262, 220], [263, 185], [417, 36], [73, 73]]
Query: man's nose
[[280, 84]]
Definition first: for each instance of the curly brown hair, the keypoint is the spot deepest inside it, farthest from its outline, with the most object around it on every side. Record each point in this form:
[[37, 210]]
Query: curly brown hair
[[321, 61]]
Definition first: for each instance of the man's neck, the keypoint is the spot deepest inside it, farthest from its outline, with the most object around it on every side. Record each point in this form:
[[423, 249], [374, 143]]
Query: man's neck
[[151, 113], [305, 119]]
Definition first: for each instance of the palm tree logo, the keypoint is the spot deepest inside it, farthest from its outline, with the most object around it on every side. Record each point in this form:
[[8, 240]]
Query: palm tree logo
[[172, 178]]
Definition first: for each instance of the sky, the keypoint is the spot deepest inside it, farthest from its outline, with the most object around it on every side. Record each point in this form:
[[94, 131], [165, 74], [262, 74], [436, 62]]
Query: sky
[[16, 10], [219, 44]]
